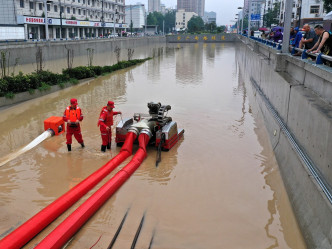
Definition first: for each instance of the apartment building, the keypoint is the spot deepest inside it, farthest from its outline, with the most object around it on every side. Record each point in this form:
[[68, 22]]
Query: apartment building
[[75, 18], [154, 5], [304, 11], [197, 6], [182, 18], [136, 14]]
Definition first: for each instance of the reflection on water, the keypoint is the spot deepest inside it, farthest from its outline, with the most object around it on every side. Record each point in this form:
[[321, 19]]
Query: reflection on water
[[219, 187]]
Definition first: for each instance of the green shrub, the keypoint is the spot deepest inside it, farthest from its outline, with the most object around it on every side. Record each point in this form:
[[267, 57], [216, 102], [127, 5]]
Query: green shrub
[[9, 95], [43, 80], [44, 87]]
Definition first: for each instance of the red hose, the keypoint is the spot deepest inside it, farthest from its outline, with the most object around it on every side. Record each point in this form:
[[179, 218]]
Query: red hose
[[24, 233], [63, 232]]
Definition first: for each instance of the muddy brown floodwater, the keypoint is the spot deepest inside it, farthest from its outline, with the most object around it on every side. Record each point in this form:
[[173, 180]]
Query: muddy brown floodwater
[[219, 187]]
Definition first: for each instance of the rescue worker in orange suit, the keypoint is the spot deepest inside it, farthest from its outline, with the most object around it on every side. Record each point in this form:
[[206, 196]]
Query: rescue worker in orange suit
[[73, 115], [105, 122]]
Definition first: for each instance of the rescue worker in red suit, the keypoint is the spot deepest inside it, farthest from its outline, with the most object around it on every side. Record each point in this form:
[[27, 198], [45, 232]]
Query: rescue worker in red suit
[[73, 115], [105, 122]]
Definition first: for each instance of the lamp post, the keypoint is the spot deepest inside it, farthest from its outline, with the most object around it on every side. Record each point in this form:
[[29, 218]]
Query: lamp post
[[60, 19], [240, 8], [102, 18], [46, 21], [131, 22], [287, 25]]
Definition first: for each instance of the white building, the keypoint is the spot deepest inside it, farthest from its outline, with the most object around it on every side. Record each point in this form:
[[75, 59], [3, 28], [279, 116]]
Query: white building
[[182, 19], [210, 17], [154, 5], [135, 13], [304, 11], [76, 18]]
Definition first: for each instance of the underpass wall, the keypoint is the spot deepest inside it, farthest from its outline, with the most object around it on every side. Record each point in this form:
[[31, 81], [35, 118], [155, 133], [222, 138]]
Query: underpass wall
[[301, 94], [21, 56]]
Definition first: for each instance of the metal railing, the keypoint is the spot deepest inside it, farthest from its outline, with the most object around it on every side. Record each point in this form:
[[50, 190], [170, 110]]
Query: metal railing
[[304, 52]]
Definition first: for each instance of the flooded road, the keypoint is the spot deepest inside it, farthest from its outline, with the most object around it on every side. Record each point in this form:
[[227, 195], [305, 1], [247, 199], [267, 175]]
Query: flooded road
[[219, 187]]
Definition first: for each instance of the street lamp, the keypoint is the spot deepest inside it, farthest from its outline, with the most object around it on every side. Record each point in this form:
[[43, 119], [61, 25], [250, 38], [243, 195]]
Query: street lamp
[[102, 18], [46, 20], [60, 19], [240, 8]]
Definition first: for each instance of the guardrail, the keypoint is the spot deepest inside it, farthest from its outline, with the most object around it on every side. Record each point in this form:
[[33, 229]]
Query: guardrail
[[304, 55], [66, 39]]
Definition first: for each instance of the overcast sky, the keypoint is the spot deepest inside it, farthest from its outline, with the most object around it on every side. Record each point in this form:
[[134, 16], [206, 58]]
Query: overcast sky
[[225, 9]]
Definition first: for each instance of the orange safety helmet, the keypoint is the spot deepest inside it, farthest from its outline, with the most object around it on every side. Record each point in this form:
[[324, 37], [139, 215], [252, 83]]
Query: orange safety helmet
[[73, 101], [111, 104]]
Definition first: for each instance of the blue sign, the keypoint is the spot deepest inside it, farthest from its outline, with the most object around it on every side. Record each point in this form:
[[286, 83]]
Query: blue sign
[[255, 17]]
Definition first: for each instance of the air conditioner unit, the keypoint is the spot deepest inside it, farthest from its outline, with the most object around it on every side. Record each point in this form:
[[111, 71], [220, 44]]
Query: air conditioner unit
[[316, 15]]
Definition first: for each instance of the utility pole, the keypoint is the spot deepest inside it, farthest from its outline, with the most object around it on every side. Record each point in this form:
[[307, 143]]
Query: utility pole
[[287, 25], [102, 18], [249, 18], [131, 22], [46, 21], [60, 20]]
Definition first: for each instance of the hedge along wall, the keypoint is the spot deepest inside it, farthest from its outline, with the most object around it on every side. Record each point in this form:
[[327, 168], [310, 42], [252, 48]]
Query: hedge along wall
[[43, 80]]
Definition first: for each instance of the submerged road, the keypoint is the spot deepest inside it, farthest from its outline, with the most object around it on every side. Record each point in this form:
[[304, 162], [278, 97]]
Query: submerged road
[[219, 187]]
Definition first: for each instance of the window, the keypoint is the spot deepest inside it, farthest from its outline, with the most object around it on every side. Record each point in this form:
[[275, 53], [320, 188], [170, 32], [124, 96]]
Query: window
[[83, 1], [61, 9], [40, 6], [48, 7], [83, 12], [68, 10], [22, 3], [293, 15], [314, 9], [79, 11], [74, 11], [55, 8], [31, 5]]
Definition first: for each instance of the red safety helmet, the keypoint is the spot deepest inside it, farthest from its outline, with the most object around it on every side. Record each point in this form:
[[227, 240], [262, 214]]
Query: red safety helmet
[[73, 101], [111, 104]]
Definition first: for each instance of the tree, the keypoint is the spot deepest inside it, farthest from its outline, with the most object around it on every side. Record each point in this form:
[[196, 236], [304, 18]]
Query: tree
[[195, 24], [210, 26], [221, 29], [328, 5], [151, 19], [272, 15], [170, 21]]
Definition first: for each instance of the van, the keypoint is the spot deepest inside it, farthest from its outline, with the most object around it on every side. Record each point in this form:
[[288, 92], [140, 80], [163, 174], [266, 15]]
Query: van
[[257, 34]]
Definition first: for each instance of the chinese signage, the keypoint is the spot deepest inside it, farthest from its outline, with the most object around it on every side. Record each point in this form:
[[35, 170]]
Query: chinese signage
[[65, 22], [255, 17]]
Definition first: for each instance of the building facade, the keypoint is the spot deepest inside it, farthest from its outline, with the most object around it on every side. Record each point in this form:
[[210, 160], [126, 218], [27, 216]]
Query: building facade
[[136, 14], [154, 5], [197, 6], [304, 11], [210, 17], [182, 18], [67, 18]]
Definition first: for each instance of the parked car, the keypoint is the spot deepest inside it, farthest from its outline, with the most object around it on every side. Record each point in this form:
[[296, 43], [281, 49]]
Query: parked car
[[257, 34]]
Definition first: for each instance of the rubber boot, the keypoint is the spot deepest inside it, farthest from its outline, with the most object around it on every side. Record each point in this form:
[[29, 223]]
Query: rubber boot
[[69, 147], [82, 144], [108, 146], [103, 148]]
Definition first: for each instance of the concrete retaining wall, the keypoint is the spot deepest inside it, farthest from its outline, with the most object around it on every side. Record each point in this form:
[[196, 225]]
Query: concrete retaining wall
[[188, 38], [54, 53], [301, 93]]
